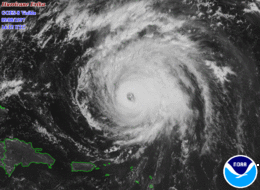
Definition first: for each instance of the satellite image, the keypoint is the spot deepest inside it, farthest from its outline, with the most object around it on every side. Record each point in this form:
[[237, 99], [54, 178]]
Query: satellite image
[[128, 94]]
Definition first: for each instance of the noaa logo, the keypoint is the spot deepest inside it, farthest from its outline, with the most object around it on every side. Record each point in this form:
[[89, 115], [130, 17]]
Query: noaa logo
[[240, 171]]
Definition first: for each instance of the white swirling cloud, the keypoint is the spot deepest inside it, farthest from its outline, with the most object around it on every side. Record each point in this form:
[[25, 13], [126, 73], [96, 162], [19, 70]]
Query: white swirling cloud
[[142, 86]]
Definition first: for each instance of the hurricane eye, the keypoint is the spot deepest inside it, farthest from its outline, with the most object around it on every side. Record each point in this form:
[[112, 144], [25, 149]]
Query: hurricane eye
[[130, 96]]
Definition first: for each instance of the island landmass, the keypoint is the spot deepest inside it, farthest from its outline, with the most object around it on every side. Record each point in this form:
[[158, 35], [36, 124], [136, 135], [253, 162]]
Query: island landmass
[[82, 166], [14, 152]]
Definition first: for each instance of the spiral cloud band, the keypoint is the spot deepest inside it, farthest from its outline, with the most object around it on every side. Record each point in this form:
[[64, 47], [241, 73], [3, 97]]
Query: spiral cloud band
[[144, 87]]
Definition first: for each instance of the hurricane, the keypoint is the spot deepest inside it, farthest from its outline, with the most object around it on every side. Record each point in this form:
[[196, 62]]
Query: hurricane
[[140, 90], [169, 89]]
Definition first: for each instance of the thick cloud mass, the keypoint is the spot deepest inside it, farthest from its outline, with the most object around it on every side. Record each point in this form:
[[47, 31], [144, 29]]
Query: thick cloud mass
[[150, 70], [156, 70]]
